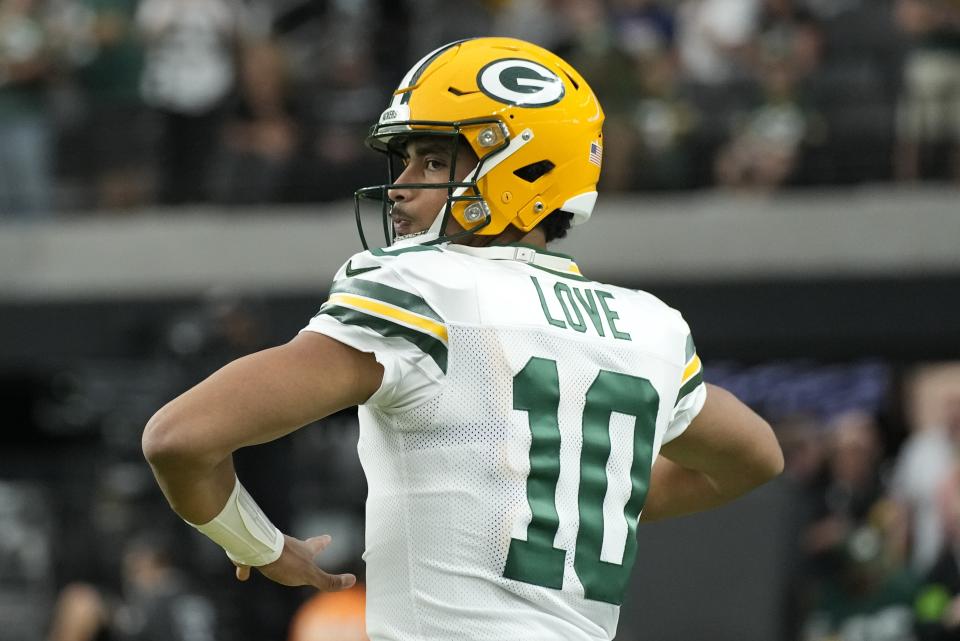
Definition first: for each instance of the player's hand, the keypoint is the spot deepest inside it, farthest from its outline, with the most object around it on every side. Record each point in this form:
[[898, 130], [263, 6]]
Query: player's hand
[[298, 565]]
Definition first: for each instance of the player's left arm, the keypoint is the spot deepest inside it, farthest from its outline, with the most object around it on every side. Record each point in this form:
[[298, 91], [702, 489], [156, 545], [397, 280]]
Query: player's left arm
[[258, 398], [726, 451]]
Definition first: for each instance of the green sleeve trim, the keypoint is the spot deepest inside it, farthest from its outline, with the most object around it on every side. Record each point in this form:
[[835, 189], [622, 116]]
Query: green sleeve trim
[[553, 272], [429, 345], [689, 386], [385, 293]]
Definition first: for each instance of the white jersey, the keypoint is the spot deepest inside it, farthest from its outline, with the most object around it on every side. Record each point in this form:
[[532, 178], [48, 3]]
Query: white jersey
[[509, 447]]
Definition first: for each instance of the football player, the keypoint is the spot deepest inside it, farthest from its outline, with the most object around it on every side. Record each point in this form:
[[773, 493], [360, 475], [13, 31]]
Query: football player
[[517, 419]]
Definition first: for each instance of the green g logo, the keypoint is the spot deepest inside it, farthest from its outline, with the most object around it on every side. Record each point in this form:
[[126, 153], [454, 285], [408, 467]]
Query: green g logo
[[520, 82]]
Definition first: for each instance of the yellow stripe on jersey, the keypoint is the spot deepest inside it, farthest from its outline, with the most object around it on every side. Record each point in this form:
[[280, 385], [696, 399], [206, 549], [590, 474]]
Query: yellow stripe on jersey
[[574, 269], [397, 314], [692, 368]]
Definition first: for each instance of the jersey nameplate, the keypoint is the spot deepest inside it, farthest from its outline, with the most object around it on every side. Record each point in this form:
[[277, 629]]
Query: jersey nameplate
[[577, 305]]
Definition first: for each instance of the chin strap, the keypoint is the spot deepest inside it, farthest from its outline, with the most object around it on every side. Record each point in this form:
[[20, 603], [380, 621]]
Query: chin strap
[[522, 254]]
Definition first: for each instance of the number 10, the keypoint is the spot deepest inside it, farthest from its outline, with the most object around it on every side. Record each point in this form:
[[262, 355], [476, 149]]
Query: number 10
[[536, 390]]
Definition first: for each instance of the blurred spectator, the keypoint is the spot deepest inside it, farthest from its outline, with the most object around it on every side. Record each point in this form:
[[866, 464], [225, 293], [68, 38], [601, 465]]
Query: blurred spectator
[[870, 597], [440, 21], [191, 71], [788, 35], [335, 103], [927, 457], [826, 9], [713, 45], [112, 147], [536, 21], [660, 117], [331, 616], [27, 541], [664, 121], [938, 605], [851, 490], [713, 38], [26, 161], [643, 27], [260, 137], [928, 125], [155, 603], [594, 49], [765, 148], [804, 454]]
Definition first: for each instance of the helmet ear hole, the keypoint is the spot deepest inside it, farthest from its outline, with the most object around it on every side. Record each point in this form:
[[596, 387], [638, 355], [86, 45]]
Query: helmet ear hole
[[535, 170]]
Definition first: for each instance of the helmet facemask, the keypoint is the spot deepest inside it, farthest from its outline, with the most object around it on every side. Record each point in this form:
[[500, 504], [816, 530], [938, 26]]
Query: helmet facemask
[[463, 197]]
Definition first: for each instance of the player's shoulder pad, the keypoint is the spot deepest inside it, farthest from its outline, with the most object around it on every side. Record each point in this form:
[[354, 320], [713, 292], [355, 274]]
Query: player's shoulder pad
[[642, 297], [370, 279], [374, 295], [678, 324], [443, 287], [653, 304]]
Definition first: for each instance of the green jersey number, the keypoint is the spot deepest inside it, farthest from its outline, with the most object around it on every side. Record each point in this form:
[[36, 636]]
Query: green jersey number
[[536, 390]]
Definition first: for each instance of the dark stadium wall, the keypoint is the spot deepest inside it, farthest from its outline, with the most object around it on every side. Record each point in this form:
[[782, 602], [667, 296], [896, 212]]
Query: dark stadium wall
[[895, 318]]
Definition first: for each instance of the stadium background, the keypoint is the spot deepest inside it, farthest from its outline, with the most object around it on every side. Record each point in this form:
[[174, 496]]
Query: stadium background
[[174, 192]]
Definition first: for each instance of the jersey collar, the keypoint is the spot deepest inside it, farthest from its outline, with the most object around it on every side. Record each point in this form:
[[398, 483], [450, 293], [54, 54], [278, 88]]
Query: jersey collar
[[522, 253]]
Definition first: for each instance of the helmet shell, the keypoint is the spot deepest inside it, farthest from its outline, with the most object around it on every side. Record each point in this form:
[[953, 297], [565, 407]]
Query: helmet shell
[[548, 120]]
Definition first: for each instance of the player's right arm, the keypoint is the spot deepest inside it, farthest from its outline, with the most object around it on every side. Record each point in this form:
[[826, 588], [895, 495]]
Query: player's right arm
[[258, 398], [726, 451]]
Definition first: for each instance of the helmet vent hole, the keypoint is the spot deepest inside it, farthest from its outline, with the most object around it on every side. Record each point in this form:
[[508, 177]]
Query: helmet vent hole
[[576, 85], [533, 171], [457, 92]]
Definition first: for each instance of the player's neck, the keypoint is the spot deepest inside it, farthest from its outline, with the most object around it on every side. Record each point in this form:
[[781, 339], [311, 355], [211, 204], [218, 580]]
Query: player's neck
[[535, 237]]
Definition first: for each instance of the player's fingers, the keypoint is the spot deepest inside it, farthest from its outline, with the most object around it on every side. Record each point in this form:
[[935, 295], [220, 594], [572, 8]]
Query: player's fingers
[[346, 581], [333, 582], [318, 544], [243, 572]]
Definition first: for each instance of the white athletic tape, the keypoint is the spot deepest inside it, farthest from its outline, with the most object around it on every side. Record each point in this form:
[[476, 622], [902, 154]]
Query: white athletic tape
[[244, 531]]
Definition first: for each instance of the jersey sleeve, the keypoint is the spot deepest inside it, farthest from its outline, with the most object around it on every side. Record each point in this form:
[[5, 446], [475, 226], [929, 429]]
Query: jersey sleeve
[[692, 394], [371, 308]]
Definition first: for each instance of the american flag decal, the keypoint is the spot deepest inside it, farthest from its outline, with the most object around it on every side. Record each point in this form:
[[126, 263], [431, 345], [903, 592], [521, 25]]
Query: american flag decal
[[596, 154]]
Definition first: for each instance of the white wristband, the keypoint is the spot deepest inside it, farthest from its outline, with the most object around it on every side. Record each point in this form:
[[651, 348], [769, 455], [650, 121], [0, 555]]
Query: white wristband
[[244, 531]]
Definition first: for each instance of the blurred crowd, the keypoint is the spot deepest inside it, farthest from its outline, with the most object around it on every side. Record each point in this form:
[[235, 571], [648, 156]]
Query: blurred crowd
[[119, 104], [878, 519]]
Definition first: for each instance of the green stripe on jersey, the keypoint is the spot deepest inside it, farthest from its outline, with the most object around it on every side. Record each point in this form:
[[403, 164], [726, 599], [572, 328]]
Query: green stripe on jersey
[[429, 345], [554, 272], [691, 350], [386, 294], [689, 386]]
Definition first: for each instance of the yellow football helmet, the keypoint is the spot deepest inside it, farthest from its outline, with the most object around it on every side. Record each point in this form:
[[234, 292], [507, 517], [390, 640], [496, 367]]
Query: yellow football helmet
[[529, 117]]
